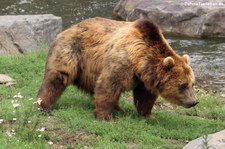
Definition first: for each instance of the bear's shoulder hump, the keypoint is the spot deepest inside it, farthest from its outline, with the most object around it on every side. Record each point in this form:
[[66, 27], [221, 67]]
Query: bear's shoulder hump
[[148, 29]]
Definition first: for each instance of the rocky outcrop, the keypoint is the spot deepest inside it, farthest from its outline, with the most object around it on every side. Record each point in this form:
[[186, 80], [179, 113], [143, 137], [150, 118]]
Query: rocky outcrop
[[23, 33], [212, 141], [202, 18]]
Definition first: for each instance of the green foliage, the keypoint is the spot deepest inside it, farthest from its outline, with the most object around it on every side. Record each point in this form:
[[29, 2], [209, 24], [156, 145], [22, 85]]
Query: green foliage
[[71, 124], [205, 142]]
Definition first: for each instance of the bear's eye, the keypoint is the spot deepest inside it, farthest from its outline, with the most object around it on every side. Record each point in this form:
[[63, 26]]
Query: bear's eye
[[183, 86]]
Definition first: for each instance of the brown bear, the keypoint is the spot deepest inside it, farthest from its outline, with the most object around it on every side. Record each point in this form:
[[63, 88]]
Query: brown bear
[[105, 58]]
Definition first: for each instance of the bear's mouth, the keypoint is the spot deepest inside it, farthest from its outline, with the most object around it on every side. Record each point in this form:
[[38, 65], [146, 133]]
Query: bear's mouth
[[186, 106], [181, 102], [175, 101], [189, 104]]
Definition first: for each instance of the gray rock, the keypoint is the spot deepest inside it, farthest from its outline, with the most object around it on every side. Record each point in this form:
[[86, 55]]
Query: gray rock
[[6, 80], [23, 33], [213, 141], [202, 18]]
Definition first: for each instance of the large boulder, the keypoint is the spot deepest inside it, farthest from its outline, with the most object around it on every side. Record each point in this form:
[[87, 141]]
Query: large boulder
[[212, 141], [202, 18], [23, 33]]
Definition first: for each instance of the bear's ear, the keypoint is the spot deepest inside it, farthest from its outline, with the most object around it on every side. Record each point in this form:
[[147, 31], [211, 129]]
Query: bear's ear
[[168, 63], [186, 58]]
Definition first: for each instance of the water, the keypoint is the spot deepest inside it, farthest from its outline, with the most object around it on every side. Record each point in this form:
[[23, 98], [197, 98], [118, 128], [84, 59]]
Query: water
[[71, 11], [207, 55]]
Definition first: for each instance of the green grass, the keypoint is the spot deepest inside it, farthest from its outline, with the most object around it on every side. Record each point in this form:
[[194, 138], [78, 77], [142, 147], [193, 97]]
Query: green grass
[[71, 124]]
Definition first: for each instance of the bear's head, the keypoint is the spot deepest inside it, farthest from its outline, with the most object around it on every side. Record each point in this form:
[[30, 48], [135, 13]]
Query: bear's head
[[177, 80]]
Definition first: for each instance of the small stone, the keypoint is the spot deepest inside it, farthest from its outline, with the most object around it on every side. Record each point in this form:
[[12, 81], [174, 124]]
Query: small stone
[[6, 80]]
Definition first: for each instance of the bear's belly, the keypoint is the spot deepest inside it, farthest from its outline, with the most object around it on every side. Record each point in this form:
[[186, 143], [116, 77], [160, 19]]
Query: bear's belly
[[88, 75]]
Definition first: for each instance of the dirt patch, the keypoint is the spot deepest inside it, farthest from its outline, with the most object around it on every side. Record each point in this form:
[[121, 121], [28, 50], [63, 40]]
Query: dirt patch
[[178, 143], [61, 136], [204, 92], [164, 106], [132, 145], [65, 139], [85, 138]]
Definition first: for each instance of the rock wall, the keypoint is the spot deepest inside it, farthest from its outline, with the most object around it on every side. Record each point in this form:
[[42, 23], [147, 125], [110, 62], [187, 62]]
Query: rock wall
[[202, 18], [23, 33]]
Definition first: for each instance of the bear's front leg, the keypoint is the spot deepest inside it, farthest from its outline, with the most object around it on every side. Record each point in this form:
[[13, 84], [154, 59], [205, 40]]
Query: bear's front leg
[[106, 96], [144, 100]]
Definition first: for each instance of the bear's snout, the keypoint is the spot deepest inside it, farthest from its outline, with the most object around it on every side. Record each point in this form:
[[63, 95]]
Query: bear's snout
[[196, 102], [192, 104]]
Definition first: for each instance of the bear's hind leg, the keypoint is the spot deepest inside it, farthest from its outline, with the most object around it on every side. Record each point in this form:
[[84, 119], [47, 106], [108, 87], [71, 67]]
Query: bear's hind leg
[[53, 85], [105, 104], [144, 100], [106, 96]]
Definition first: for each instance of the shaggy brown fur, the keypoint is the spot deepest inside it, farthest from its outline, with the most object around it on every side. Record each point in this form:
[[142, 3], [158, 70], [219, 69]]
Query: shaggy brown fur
[[106, 58]]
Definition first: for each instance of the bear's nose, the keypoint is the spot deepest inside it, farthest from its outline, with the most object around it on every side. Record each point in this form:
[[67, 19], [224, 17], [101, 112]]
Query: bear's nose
[[194, 104]]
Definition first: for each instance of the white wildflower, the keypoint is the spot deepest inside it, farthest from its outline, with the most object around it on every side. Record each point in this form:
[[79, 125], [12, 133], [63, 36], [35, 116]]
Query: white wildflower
[[14, 119], [38, 101], [41, 130], [30, 98], [18, 95], [39, 136], [50, 142], [1, 121], [13, 133], [29, 122], [9, 133], [15, 105], [14, 101]]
